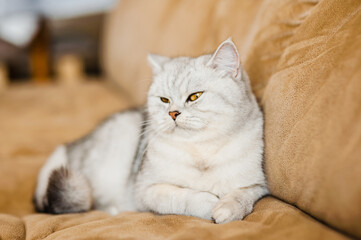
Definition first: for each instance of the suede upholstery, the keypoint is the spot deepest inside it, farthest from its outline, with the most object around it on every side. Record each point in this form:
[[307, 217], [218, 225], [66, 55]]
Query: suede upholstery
[[304, 61]]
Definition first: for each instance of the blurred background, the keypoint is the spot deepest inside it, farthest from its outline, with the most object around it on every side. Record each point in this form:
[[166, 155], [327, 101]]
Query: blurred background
[[303, 57], [45, 40]]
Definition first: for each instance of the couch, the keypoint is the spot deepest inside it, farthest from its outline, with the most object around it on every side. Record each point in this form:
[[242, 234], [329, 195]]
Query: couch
[[304, 61]]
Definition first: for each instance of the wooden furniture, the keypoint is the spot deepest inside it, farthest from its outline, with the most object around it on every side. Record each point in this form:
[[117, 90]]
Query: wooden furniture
[[3, 76]]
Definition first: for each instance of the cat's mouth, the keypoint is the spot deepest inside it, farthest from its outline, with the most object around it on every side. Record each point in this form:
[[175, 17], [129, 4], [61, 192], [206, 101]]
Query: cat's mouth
[[185, 126], [177, 126]]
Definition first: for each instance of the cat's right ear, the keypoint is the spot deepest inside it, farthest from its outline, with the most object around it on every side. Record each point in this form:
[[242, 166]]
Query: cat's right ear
[[157, 62]]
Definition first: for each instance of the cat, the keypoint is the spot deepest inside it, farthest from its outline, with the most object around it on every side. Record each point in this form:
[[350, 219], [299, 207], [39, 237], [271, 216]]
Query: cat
[[195, 149]]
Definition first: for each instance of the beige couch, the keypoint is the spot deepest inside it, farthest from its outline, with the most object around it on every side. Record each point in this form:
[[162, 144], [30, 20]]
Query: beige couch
[[304, 61]]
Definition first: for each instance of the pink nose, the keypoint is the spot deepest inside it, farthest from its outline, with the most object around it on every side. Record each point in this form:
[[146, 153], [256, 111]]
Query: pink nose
[[174, 114]]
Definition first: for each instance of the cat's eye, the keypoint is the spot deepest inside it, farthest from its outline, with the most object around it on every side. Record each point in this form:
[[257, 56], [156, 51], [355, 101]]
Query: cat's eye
[[165, 100], [194, 96]]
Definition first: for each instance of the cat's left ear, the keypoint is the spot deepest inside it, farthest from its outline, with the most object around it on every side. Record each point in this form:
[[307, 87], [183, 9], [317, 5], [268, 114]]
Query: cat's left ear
[[156, 62], [226, 58]]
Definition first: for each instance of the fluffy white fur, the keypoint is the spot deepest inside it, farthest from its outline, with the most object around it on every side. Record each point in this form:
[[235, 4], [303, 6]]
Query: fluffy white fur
[[205, 163], [208, 162], [105, 159]]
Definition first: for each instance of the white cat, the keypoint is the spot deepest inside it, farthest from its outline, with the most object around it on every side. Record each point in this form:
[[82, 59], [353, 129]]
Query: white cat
[[196, 149]]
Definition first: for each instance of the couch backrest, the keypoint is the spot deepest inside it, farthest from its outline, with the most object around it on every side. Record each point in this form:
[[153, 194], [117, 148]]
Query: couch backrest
[[171, 28], [304, 61]]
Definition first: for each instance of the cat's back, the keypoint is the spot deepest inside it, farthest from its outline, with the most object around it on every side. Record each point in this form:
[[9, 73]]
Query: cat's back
[[111, 145], [96, 166], [115, 132]]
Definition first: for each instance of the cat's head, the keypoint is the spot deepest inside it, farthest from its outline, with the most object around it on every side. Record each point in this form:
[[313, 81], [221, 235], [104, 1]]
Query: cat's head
[[198, 98]]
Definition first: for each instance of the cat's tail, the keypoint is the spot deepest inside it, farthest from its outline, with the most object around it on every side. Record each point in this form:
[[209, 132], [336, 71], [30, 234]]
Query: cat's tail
[[61, 190]]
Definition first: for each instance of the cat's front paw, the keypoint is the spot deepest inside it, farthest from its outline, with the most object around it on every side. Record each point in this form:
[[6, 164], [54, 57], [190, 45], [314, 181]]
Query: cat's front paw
[[228, 210], [202, 205]]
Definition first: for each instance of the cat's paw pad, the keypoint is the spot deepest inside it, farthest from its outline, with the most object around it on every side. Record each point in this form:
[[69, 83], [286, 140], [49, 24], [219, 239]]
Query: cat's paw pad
[[229, 210]]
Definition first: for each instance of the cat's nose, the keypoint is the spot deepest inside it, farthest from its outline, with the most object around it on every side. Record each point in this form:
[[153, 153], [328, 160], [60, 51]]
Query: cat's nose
[[174, 114]]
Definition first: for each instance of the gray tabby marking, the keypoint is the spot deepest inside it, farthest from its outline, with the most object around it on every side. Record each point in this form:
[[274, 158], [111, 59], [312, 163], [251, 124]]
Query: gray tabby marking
[[195, 149]]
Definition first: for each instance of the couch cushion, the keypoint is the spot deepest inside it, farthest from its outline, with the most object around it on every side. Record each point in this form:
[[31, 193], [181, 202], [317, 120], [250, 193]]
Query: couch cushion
[[11, 227], [312, 107], [272, 219]]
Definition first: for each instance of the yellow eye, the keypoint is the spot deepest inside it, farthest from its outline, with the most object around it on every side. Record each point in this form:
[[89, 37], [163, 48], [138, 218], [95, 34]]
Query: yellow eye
[[165, 100], [194, 96]]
